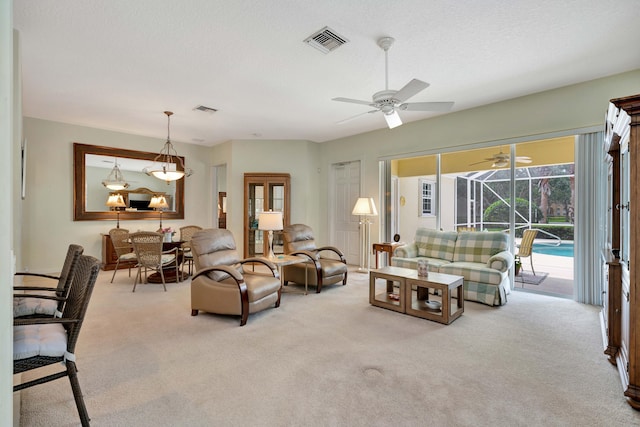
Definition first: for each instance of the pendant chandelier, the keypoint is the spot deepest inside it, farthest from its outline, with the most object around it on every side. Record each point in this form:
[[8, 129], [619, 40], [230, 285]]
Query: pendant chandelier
[[165, 166], [115, 181]]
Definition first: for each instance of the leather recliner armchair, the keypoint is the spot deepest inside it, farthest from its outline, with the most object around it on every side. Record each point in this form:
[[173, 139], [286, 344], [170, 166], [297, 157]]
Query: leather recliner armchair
[[321, 270], [221, 285]]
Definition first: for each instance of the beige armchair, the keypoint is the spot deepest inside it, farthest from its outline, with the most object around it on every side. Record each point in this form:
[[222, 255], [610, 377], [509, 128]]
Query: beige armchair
[[222, 285], [321, 270]]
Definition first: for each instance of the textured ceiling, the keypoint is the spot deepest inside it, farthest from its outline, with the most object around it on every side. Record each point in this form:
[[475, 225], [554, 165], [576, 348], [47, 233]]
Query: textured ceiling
[[118, 64]]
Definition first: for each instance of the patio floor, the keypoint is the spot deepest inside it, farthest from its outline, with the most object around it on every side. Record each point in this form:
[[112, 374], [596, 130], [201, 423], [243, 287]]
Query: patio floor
[[558, 282]]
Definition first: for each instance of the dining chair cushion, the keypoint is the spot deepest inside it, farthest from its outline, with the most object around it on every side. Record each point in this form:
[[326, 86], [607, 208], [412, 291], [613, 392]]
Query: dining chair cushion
[[129, 256], [167, 259], [31, 306], [39, 340]]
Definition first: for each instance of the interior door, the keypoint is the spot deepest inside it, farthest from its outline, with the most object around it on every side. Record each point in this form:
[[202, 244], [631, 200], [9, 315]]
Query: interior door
[[346, 190]]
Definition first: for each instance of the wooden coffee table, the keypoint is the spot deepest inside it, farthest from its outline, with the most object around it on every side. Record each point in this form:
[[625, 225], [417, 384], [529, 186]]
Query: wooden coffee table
[[408, 293]]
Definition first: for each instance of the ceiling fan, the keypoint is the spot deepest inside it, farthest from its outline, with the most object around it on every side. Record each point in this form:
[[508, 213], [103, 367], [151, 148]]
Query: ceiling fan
[[501, 160], [390, 101]]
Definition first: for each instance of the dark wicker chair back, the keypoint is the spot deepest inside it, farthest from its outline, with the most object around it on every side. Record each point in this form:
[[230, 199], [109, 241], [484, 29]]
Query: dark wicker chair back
[[84, 279], [64, 280]]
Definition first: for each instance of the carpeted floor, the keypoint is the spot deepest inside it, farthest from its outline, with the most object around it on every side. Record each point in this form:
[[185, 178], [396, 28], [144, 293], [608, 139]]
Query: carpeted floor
[[331, 359]]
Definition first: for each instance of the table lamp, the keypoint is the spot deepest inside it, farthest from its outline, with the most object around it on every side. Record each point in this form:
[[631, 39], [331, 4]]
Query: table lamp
[[159, 203], [270, 221], [115, 201], [365, 207]]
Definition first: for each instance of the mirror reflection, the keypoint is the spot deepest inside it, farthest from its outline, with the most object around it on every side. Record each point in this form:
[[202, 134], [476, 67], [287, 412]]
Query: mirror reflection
[[97, 167], [141, 187]]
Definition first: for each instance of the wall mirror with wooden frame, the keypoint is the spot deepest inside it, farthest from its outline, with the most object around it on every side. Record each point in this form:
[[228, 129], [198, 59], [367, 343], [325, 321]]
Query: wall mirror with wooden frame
[[93, 164]]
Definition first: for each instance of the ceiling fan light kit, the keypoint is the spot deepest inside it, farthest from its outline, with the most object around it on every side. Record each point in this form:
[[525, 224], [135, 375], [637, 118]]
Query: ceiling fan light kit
[[390, 101]]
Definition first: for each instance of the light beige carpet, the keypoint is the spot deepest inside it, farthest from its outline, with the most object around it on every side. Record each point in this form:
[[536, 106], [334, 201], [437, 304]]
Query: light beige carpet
[[331, 359]]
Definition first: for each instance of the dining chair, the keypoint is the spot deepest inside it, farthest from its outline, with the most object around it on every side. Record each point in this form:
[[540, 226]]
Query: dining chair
[[44, 300], [123, 248], [40, 342], [148, 248], [186, 233]]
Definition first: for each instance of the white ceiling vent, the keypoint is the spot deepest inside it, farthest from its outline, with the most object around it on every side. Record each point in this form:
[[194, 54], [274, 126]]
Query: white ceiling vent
[[205, 109], [325, 40]]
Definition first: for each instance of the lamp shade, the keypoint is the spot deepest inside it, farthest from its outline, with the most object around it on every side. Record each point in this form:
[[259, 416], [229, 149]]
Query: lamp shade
[[158, 202], [365, 206], [270, 221], [116, 201]]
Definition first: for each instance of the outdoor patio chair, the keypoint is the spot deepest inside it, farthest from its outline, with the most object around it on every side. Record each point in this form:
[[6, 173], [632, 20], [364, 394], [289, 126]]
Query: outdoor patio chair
[[526, 247], [43, 300], [49, 341]]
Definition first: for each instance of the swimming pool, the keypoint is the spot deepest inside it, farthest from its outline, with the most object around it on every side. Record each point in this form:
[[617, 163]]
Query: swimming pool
[[564, 249]]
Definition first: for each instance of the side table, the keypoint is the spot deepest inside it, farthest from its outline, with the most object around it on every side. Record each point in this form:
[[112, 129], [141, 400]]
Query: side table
[[385, 247], [283, 260]]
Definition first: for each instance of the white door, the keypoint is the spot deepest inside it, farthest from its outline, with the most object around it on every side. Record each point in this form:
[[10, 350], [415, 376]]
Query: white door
[[346, 190]]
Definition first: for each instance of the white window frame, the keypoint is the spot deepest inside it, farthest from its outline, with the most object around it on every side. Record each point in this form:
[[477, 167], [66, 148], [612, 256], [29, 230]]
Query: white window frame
[[422, 197]]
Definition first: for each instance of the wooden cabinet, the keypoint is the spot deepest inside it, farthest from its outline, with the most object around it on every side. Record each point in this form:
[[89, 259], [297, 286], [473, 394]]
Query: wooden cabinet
[[621, 312], [109, 257], [264, 192]]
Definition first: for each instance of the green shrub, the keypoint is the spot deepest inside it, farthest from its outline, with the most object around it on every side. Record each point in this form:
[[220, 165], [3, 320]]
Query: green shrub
[[498, 211]]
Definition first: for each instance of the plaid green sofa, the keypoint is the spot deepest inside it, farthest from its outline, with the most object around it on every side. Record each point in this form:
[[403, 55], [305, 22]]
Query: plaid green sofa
[[482, 258]]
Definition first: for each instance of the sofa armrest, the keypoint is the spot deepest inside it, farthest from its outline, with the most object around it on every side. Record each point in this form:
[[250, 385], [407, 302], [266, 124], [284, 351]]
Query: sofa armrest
[[501, 261], [406, 251]]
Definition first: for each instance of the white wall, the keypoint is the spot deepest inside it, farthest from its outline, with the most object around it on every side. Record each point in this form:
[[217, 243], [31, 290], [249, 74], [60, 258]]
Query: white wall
[[9, 139], [47, 221]]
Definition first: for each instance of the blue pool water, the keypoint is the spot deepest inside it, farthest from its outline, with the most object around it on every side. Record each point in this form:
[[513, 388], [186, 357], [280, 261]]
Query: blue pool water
[[564, 249]]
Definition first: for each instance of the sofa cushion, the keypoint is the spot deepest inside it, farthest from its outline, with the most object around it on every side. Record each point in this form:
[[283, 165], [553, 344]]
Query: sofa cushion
[[434, 263], [473, 272], [480, 246], [436, 244]]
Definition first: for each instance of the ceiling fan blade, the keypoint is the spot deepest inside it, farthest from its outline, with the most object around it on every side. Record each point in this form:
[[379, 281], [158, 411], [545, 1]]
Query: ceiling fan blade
[[356, 116], [393, 119], [410, 89], [427, 106], [354, 101], [482, 161], [523, 159]]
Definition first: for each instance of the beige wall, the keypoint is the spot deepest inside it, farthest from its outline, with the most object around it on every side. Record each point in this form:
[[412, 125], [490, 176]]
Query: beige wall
[[553, 113], [47, 221], [48, 208]]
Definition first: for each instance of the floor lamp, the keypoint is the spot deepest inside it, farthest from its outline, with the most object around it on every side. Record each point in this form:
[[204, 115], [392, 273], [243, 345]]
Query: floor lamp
[[270, 221], [365, 208], [115, 201]]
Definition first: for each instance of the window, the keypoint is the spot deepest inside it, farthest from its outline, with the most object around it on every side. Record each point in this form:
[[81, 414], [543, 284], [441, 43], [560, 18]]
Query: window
[[427, 198]]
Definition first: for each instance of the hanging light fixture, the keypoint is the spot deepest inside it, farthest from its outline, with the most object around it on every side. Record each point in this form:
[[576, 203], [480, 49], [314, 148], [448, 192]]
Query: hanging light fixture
[[115, 181], [164, 166]]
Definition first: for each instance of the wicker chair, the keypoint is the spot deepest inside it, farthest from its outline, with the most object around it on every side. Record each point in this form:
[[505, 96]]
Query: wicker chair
[[299, 240], [526, 247], [50, 341], [221, 285], [148, 247], [123, 247], [47, 301], [186, 233]]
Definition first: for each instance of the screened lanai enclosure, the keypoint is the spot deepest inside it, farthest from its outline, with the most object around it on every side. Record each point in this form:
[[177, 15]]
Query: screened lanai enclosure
[[544, 199], [473, 190]]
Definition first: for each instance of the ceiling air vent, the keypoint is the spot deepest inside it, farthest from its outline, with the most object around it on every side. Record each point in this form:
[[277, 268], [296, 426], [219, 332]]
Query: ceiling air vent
[[325, 40], [205, 109]]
